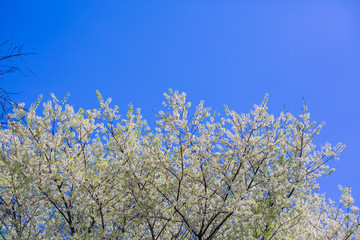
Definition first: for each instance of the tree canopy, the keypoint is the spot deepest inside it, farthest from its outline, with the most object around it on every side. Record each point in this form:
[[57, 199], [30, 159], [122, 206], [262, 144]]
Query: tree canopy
[[93, 174]]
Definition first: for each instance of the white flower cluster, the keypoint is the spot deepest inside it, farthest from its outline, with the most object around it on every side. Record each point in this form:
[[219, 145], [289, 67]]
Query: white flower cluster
[[90, 174]]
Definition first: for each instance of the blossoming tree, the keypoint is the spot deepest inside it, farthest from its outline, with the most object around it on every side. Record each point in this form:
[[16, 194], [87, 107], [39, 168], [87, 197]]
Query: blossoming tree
[[94, 175]]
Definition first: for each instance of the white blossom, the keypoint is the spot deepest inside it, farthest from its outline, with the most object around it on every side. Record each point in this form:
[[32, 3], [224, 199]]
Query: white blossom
[[92, 174]]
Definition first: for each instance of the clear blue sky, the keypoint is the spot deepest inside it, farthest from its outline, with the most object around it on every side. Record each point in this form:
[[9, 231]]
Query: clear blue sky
[[225, 52]]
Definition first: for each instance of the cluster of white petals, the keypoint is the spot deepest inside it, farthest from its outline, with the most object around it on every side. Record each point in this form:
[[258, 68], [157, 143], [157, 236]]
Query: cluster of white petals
[[91, 174]]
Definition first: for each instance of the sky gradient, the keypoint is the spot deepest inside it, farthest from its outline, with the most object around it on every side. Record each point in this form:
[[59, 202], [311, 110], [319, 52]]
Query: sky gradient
[[224, 52]]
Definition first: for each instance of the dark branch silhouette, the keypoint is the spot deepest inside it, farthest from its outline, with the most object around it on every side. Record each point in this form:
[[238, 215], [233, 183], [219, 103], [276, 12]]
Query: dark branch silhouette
[[11, 60]]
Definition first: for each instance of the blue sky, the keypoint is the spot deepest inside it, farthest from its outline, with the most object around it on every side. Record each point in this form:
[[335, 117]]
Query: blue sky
[[224, 52]]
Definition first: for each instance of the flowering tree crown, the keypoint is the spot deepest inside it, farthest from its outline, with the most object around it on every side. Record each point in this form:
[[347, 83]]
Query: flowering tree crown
[[92, 174]]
